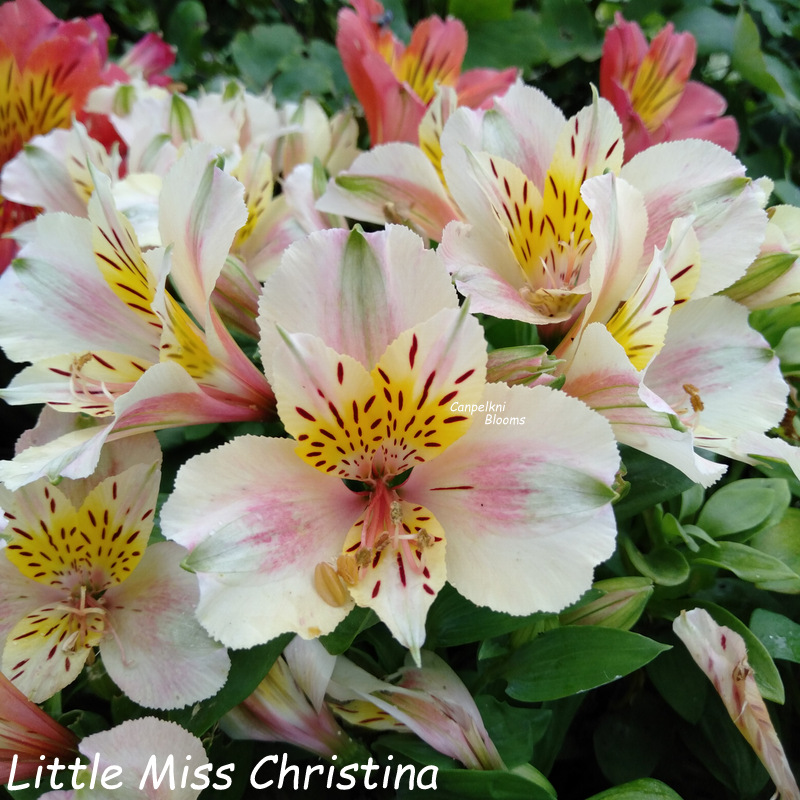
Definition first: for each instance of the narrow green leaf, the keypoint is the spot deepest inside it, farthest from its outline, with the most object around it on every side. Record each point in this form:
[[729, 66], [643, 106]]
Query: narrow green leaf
[[747, 57], [745, 562], [569, 660]]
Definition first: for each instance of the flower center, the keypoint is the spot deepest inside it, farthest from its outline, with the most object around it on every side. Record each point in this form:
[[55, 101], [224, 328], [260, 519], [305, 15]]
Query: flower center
[[87, 621]]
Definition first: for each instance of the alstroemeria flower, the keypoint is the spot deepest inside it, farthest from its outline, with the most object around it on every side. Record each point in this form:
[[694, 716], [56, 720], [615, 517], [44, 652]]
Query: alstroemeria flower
[[531, 249], [136, 747], [28, 733], [395, 83], [669, 369], [651, 91], [88, 272], [773, 279], [400, 182], [77, 573], [722, 655], [289, 704], [430, 700], [48, 68], [291, 534]]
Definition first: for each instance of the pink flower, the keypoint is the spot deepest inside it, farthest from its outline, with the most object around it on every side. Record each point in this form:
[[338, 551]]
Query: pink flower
[[48, 67], [395, 83], [651, 91], [28, 733], [149, 58]]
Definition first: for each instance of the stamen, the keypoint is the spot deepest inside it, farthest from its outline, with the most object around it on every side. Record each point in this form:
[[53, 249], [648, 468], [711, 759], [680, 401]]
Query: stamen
[[347, 568], [424, 539], [694, 396], [329, 586]]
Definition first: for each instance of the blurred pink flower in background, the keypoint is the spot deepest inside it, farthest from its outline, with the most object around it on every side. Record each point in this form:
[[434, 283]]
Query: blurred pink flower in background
[[29, 734], [48, 67], [394, 83], [651, 91]]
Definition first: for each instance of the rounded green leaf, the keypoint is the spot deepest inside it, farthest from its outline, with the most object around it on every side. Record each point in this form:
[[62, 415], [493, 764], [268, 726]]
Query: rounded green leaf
[[778, 633], [665, 566], [643, 789], [569, 660], [780, 541], [744, 506], [259, 52]]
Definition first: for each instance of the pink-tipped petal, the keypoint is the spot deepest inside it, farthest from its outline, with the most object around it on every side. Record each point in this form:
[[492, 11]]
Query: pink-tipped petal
[[151, 615], [257, 521]]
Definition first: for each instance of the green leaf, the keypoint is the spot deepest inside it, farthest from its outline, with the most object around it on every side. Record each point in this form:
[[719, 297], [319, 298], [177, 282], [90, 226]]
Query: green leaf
[[712, 29], [569, 31], [745, 562], [664, 565], [679, 683], [185, 28], [485, 785], [629, 741], [773, 323], [779, 635], [454, 620], [569, 660], [340, 639], [513, 730], [652, 481], [259, 53], [514, 42], [780, 541], [747, 57], [300, 77], [414, 749], [248, 668], [725, 753], [642, 789], [743, 507], [325, 54], [472, 11]]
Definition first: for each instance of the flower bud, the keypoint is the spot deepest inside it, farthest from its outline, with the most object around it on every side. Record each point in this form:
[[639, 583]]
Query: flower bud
[[621, 604]]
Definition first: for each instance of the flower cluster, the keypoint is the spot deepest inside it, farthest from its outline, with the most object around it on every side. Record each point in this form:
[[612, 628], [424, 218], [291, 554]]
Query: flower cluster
[[222, 263]]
